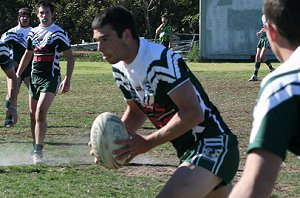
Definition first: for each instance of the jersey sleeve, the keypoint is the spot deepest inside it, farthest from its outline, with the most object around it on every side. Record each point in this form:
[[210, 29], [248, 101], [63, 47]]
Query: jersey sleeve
[[170, 72], [62, 40], [275, 129], [5, 61], [121, 83]]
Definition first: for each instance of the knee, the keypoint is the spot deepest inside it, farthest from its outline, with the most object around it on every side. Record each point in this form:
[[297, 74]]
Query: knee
[[40, 115]]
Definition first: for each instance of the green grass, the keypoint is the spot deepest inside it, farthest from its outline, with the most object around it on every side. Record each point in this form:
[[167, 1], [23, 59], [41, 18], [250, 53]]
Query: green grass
[[70, 170]]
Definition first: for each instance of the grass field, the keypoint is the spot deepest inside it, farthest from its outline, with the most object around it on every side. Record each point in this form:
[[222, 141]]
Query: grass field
[[70, 171]]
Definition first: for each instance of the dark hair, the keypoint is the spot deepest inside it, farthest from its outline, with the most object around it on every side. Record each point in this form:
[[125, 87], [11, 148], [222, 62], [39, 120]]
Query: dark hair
[[44, 4], [285, 15], [24, 11], [119, 18]]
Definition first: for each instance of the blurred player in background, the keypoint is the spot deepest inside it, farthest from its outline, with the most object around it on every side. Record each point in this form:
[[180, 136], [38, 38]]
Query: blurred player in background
[[158, 85], [261, 51], [7, 65], [165, 32], [16, 40], [45, 43], [276, 126]]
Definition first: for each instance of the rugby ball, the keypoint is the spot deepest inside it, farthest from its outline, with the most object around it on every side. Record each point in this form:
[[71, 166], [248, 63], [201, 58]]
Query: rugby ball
[[107, 128]]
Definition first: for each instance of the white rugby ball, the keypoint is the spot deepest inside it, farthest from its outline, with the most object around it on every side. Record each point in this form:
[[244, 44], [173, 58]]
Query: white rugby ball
[[107, 128]]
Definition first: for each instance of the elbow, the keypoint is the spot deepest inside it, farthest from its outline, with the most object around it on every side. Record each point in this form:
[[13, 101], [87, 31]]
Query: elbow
[[196, 117]]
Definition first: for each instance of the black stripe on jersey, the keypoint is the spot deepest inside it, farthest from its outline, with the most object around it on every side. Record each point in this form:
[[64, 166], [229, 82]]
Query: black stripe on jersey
[[118, 78], [61, 35], [276, 77], [164, 63]]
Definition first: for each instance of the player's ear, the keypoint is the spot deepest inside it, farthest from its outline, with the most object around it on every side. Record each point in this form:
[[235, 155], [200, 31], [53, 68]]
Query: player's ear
[[272, 31], [127, 34]]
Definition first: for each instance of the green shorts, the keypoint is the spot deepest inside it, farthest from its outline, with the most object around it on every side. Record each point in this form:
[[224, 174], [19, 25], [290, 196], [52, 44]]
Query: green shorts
[[263, 43], [43, 85], [219, 155]]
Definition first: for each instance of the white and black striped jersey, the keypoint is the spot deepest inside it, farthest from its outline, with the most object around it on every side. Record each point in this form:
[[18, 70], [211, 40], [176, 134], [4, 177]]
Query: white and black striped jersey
[[151, 77], [16, 39], [5, 61], [47, 43]]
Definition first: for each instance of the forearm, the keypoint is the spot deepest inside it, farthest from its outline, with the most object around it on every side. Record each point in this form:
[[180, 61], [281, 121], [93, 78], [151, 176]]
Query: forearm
[[181, 122], [70, 67], [133, 120], [24, 62], [159, 28]]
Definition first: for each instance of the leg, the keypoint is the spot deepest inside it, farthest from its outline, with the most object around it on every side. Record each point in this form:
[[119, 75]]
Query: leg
[[265, 59], [257, 65], [41, 111], [26, 80], [190, 181], [32, 108], [42, 108], [222, 192], [8, 121]]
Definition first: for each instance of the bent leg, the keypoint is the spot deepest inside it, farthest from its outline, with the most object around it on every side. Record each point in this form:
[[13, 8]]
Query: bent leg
[[190, 181]]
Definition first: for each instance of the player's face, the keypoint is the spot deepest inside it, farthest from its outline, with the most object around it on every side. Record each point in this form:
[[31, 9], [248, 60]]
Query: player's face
[[164, 20], [109, 44], [24, 20], [45, 16]]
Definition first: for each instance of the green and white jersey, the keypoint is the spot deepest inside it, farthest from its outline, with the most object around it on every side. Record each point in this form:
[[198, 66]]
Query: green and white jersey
[[276, 125], [166, 33], [151, 77], [47, 43], [16, 40], [5, 62]]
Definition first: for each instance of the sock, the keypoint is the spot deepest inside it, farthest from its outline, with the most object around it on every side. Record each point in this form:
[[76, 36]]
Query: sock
[[7, 103], [38, 148], [269, 64], [257, 66]]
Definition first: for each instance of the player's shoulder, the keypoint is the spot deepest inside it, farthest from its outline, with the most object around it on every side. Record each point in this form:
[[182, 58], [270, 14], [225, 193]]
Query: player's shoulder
[[56, 28]]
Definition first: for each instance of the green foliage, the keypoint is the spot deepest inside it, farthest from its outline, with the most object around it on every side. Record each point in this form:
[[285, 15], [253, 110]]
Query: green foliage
[[194, 54], [75, 16]]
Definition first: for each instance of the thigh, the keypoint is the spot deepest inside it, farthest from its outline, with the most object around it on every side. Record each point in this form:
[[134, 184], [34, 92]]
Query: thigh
[[44, 102], [190, 181], [207, 165]]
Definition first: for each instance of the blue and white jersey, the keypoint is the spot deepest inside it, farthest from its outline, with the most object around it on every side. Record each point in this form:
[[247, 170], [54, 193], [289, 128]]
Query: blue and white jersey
[[151, 77], [16, 40]]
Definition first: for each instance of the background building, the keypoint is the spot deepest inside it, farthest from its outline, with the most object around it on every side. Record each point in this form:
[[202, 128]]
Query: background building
[[228, 28]]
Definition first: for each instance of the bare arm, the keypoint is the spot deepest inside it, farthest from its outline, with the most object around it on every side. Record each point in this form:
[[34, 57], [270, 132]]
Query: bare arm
[[24, 62], [133, 117], [259, 176], [66, 83], [187, 117], [157, 31]]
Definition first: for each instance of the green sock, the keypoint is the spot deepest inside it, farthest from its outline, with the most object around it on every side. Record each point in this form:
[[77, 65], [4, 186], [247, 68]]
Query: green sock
[[38, 147]]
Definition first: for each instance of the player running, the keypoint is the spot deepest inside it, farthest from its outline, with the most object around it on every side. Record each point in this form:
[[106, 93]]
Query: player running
[[16, 39], [157, 84], [45, 43]]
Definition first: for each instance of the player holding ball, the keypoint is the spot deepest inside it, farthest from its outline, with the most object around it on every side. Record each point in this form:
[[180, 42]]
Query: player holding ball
[[158, 85]]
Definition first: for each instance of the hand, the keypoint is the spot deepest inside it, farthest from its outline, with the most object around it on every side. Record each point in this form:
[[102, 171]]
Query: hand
[[64, 86], [134, 146], [92, 153]]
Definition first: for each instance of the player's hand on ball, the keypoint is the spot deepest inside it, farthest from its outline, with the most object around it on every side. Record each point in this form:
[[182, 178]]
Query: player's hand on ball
[[132, 147], [92, 153]]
